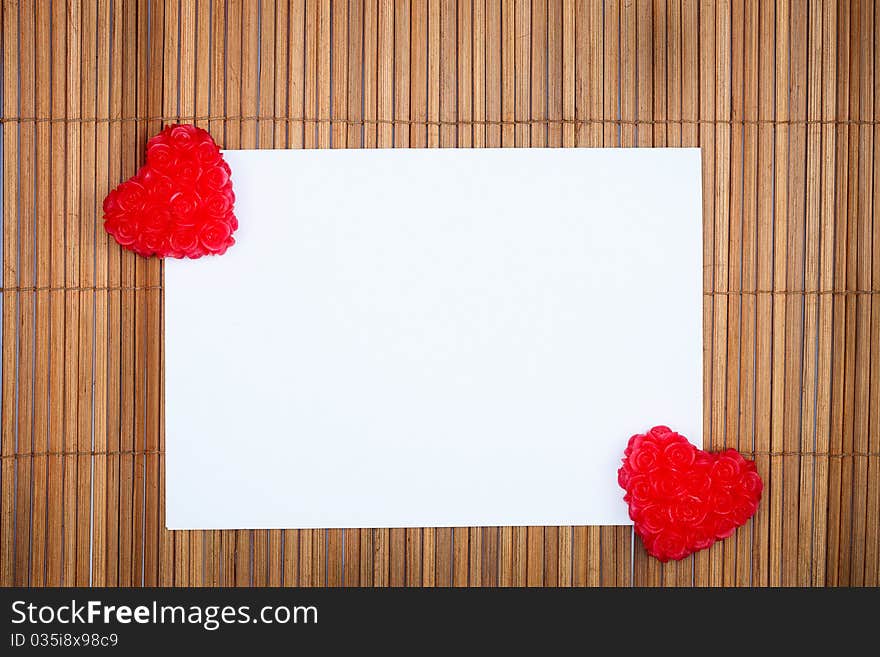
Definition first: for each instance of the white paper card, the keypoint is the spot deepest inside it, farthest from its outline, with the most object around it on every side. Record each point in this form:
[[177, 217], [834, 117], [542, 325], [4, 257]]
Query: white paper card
[[406, 338]]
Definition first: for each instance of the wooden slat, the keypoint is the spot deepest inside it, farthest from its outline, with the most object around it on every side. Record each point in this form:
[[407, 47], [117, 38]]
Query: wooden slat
[[550, 46], [863, 236], [26, 329], [826, 304], [850, 239], [872, 529], [133, 101], [417, 138], [43, 219], [764, 321], [461, 537], [10, 278], [705, 574], [103, 264], [748, 315], [781, 96], [201, 544], [72, 298], [178, 102], [794, 304], [638, 39]]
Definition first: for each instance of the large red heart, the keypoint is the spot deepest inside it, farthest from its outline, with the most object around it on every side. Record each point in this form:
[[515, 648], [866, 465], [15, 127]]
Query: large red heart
[[683, 499], [180, 203]]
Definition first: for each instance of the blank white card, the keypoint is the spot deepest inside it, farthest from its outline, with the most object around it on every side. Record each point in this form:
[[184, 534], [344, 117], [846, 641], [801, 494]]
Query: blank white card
[[406, 338]]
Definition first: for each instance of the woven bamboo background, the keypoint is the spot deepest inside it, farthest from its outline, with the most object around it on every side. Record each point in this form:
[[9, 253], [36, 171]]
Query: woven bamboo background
[[781, 96]]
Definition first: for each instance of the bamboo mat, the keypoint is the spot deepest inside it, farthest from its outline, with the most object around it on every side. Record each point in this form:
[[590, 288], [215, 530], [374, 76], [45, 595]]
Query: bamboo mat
[[779, 95]]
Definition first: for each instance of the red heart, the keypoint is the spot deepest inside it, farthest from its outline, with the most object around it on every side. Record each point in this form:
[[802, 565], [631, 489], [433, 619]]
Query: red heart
[[683, 499], [179, 203]]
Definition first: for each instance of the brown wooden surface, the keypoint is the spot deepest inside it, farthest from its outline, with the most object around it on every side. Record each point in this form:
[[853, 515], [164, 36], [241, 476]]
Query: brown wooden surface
[[779, 95]]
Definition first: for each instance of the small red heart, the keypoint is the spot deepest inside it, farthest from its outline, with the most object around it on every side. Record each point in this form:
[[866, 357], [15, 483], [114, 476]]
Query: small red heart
[[180, 203], [683, 499]]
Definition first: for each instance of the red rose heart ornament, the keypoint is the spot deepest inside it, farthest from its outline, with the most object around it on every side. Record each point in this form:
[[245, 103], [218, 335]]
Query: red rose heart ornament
[[180, 203], [682, 499]]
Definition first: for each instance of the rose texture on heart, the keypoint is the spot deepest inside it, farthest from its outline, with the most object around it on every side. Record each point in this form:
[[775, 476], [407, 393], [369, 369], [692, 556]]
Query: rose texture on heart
[[682, 499], [180, 203]]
